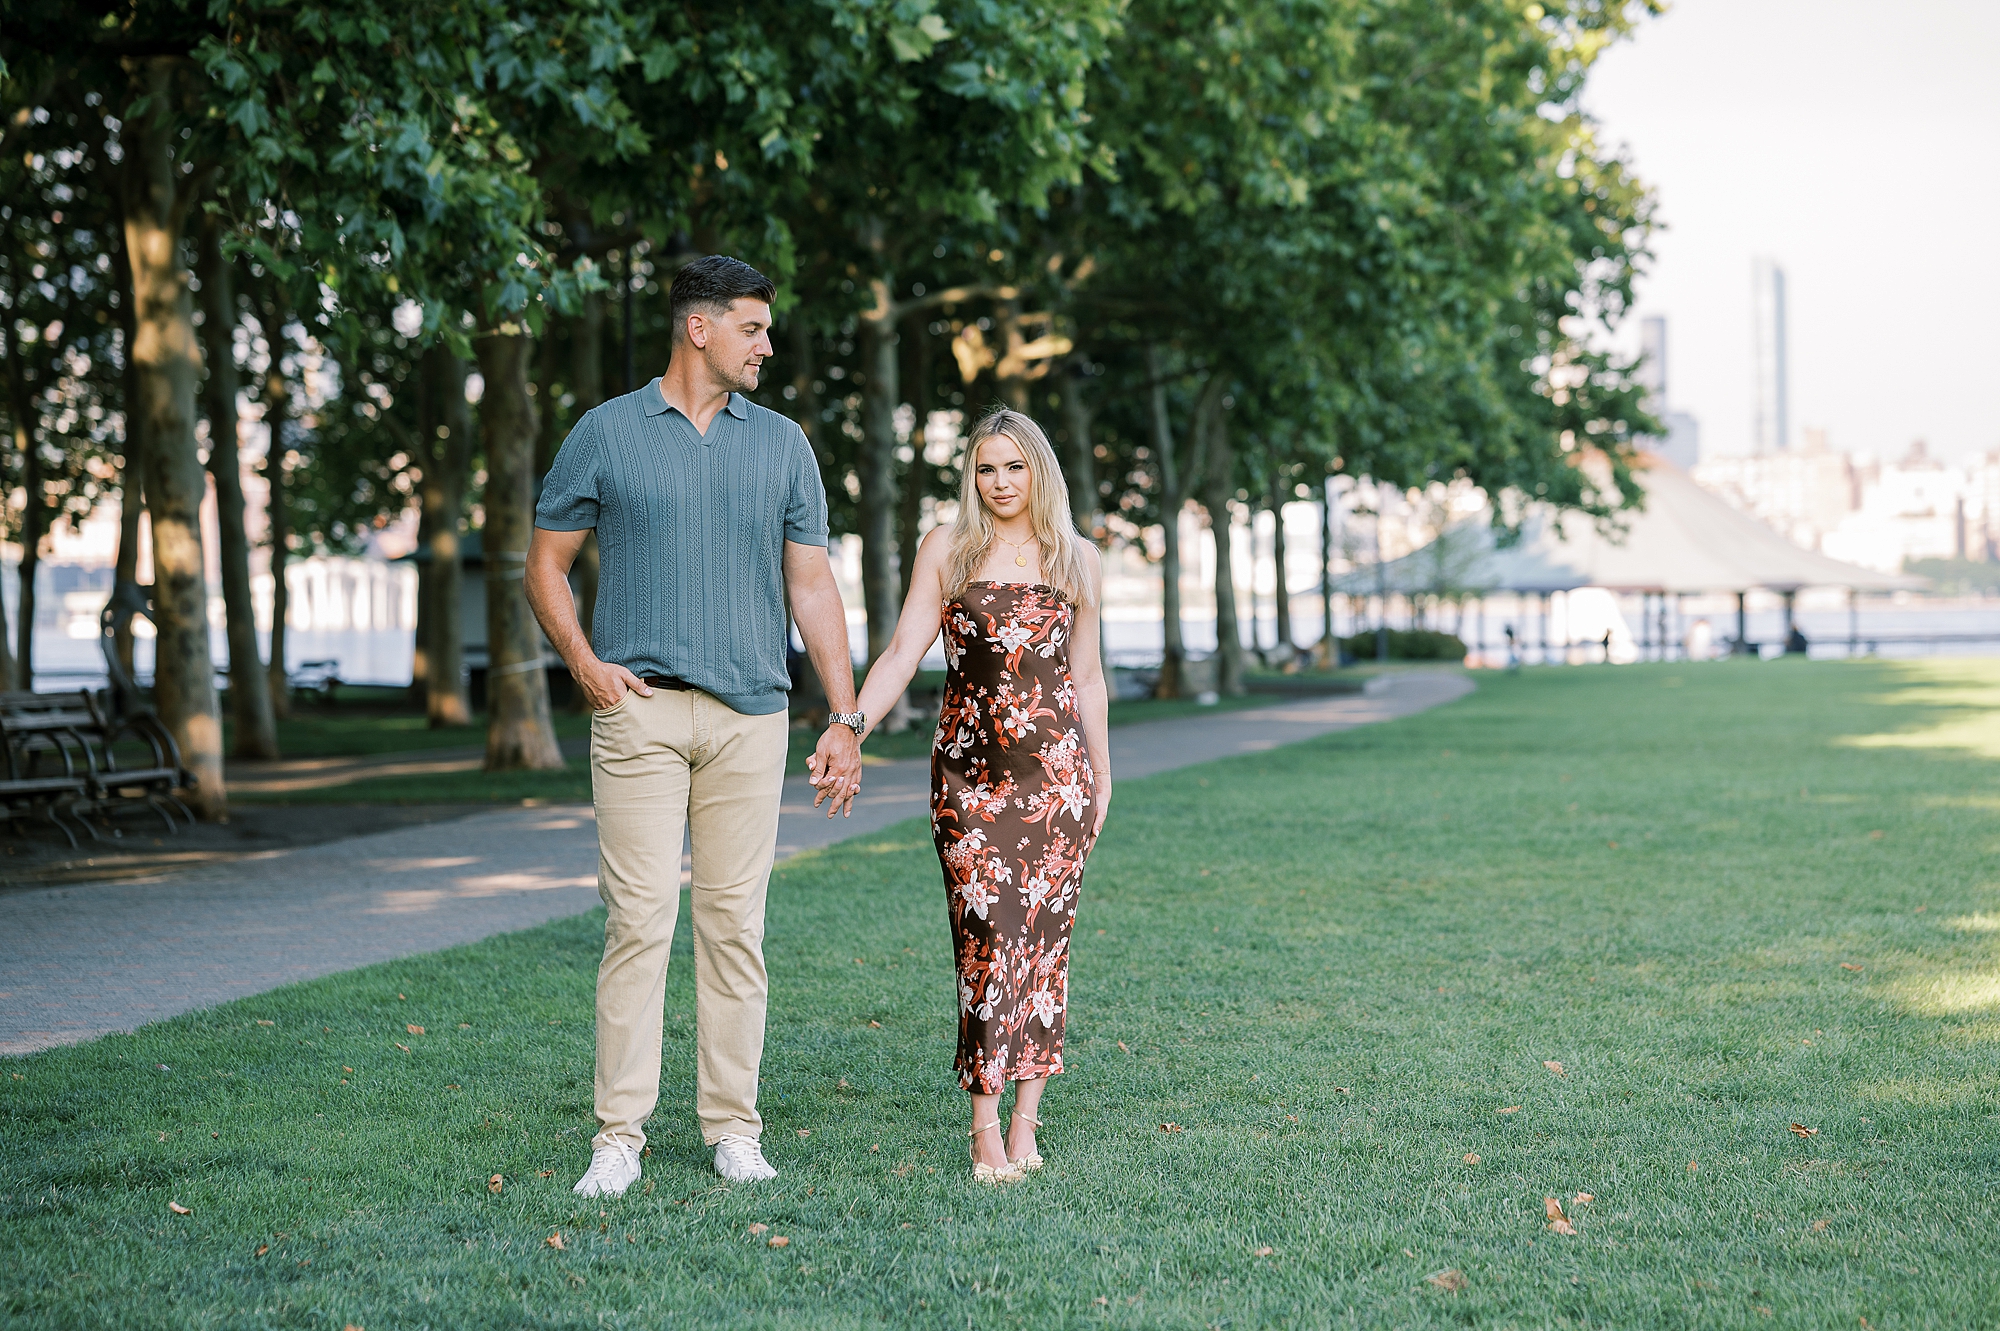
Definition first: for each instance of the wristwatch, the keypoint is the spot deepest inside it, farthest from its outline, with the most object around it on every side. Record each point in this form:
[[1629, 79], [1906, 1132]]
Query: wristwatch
[[855, 721]]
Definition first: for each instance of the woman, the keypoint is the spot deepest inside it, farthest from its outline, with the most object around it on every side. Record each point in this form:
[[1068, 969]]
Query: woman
[[1020, 771]]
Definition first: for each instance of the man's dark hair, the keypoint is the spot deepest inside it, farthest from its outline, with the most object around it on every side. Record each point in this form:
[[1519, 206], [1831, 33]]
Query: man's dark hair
[[709, 284]]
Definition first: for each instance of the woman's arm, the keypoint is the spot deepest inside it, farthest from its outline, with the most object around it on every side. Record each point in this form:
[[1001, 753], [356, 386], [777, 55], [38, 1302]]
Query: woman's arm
[[916, 630], [1092, 698]]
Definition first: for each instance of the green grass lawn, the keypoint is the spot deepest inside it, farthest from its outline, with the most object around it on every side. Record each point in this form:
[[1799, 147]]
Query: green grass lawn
[[1724, 898]]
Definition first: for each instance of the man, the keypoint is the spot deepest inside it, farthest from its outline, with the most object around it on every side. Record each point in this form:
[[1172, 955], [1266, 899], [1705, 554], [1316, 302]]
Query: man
[[709, 513]]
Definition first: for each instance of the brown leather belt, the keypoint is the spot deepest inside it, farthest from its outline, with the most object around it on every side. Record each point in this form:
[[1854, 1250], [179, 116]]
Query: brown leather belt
[[665, 682]]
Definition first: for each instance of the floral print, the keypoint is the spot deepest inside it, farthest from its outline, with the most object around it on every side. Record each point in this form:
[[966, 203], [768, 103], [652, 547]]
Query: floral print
[[1012, 812]]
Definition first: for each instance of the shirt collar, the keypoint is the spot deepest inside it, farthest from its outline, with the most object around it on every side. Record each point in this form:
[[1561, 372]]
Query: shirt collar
[[656, 403]]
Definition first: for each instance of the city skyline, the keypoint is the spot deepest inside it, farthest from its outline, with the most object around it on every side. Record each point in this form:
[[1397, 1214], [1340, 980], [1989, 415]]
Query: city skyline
[[1843, 142]]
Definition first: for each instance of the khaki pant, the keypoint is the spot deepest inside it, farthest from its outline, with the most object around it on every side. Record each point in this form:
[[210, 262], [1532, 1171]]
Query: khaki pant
[[683, 759]]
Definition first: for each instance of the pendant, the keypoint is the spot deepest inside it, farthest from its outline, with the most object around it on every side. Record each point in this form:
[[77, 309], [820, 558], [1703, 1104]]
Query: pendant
[[1020, 561]]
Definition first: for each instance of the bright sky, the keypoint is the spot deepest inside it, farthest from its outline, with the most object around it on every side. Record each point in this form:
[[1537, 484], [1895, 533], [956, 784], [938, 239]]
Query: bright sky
[[1858, 144]]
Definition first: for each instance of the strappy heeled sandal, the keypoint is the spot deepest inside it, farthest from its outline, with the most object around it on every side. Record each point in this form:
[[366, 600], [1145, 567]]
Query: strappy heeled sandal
[[1032, 1161], [985, 1173]]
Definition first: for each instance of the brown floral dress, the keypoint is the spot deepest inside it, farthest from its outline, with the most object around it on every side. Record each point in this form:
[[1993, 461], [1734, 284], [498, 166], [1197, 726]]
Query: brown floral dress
[[1012, 812]]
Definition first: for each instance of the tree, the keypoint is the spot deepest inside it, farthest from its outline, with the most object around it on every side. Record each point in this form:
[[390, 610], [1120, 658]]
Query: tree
[[944, 116], [249, 682]]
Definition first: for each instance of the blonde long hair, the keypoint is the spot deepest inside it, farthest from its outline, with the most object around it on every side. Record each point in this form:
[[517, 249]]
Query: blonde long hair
[[1048, 511]]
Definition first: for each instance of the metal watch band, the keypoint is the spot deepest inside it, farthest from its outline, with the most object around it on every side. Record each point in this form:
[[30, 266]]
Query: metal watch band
[[854, 721]]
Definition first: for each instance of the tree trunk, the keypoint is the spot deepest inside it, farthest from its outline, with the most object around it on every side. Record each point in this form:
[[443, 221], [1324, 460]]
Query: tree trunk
[[273, 314], [1329, 653], [799, 333], [249, 684], [1283, 594], [1082, 455], [1218, 490], [156, 201], [910, 499], [131, 478], [519, 734], [7, 684], [420, 648], [448, 420], [879, 396], [21, 405], [1173, 656]]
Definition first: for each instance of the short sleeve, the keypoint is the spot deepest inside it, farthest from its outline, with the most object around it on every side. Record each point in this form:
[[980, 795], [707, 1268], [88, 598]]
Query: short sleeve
[[569, 491], [805, 508]]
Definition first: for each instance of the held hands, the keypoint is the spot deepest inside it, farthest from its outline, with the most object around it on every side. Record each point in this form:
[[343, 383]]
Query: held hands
[[605, 686], [835, 768]]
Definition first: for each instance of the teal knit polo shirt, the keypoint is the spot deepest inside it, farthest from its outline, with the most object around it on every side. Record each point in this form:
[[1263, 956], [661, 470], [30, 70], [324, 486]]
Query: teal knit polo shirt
[[691, 533]]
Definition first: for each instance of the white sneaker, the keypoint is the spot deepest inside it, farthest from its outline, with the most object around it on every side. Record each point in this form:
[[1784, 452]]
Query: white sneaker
[[741, 1160], [614, 1167]]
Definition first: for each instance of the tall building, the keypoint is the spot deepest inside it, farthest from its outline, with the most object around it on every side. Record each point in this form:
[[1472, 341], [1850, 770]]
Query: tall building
[[1682, 442], [1771, 420]]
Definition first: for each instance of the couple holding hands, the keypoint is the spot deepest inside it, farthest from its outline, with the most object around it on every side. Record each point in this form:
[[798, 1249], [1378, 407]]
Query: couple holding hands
[[710, 515]]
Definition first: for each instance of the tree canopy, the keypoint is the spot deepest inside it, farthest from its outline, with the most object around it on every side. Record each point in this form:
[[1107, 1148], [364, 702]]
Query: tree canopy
[[1224, 249]]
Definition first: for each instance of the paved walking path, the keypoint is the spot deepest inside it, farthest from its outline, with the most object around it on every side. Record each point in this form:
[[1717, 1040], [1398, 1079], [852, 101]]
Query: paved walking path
[[81, 961]]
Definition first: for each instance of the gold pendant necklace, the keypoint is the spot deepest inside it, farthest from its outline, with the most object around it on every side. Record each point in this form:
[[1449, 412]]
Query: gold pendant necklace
[[1020, 553]]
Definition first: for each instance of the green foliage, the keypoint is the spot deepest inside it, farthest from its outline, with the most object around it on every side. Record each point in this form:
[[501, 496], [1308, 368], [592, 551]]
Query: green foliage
[[1330, 965], [1408, 645]]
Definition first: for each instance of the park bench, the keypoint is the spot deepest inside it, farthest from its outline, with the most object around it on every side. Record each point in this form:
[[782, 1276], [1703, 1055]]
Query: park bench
[[41, 732], [107, 762], [314, 679]]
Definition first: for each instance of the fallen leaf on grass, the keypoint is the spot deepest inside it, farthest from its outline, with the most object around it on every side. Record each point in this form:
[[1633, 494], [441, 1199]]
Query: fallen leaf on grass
[[1557, 1220], [1450, 1281], [405, 1048], [347, 1069], [1171, 1127], [554, 1241], [779, 1241], [1849, 966], [402, 997], [1122, 1049], [1510, 1109], [804, 1133], [465, 1025], [414, 1029], [1693, 1165], [548, 1173], [876, 1024], [1471, 1159], [1582, 1199], [904, 1170], [1408, 1253], [843, 1084], [1875, 835], [178, 1209], [262, 1248], [758, 1228], [1342, 1090], [1819, 1226], [262, 1022], [1801, 1130], [1554, 1067], [163, 1136], [1264, 1252], [453, 1086], [494, 1184]]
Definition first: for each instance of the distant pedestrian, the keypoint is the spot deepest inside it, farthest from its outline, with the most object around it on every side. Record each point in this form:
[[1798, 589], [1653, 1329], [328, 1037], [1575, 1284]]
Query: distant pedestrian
[[1513, 652], [1020, 770], [710, 516]]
